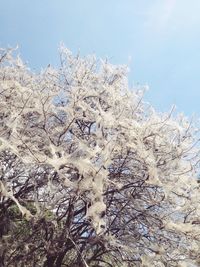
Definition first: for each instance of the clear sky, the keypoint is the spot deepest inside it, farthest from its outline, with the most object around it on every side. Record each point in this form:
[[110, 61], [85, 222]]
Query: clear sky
[[159, 39]]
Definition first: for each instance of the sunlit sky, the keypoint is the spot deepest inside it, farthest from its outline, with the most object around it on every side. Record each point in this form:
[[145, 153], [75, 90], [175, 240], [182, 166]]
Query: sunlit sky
[[158, 39]]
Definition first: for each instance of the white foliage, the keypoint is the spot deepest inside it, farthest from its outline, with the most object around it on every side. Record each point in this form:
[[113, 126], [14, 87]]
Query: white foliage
[[84, 122]]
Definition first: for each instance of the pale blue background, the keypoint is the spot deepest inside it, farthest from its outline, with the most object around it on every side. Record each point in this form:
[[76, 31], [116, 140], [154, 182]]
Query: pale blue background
[[159, 39]]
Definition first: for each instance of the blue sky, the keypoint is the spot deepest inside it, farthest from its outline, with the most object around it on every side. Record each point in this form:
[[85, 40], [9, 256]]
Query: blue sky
[[158, 39]]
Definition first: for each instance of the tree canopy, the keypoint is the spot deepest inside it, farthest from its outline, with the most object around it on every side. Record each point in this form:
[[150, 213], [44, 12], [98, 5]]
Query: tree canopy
[[91, 175]]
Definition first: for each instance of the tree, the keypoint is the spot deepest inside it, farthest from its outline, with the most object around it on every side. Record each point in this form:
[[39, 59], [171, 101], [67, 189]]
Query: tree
[[90, 174]]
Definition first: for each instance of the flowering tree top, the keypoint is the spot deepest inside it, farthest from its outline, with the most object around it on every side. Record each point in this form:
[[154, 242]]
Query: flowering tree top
[[94, 171]]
